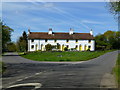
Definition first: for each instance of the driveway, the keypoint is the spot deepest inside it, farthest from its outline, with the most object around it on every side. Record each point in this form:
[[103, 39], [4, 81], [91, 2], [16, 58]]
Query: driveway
[[95, 73]]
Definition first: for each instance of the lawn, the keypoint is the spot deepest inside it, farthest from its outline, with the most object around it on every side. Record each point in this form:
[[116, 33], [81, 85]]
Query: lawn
[[63, 56], [117, 70]]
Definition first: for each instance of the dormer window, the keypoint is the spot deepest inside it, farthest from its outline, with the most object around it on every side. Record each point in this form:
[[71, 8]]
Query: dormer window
[[32, 40]]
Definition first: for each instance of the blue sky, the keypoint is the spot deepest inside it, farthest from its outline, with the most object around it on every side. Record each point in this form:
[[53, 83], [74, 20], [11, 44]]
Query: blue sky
[[60, 16]]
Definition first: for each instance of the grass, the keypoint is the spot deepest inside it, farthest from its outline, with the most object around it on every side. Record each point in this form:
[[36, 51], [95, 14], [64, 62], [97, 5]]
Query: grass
[[63, 56], [2, 67], [117, 70]]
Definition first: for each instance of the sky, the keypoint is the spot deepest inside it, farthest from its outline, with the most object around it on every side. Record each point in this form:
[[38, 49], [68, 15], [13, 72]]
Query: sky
[[60, 16]]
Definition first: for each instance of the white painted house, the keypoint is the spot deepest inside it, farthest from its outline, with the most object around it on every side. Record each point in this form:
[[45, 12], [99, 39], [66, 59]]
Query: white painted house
[[78, 41]]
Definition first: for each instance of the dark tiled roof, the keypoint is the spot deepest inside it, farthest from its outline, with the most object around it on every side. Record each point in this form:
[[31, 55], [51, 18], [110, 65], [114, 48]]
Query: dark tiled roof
[[45, 35]]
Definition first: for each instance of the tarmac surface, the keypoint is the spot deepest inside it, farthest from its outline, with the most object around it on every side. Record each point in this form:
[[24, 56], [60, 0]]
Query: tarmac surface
[[95, 73]]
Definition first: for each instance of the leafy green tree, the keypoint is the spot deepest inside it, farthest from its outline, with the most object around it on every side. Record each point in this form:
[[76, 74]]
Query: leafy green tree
[[108, 40], [0, 37], [100, 42], [21, 45], [25, 40], [11, 47], [6, 35], [114, 6]]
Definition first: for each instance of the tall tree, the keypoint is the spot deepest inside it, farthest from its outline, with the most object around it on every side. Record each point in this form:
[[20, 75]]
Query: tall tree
[[25, 40], [6, 35], [114, 6], [22, 43], [0, 37]]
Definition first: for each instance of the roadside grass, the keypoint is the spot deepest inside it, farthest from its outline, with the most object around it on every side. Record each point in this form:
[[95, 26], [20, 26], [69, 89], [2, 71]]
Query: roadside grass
[[21, 53], [117, 70], [63, 56], [2, 67]]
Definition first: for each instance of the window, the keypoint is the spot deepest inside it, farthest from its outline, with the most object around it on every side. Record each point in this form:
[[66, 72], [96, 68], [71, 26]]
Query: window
[[89, 41], [89, 47], [76, 41], [76, 46], [67, 40], [55, 40], [67, 46], [32, 46], [32, 40], [45, 40]]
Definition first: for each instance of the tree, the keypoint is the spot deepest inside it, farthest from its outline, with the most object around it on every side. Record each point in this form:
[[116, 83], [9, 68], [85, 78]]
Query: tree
[[6, 35], [22, 43], [0, 37], [114, 6], [100, 42], [108, 40], [25, 40], [11, 47]]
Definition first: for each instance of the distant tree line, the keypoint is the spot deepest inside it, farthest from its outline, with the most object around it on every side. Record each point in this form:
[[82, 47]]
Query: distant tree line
[[108, 40]]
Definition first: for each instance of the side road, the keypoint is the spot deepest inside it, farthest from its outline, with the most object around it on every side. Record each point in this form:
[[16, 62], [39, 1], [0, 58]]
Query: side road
[[94, 73]]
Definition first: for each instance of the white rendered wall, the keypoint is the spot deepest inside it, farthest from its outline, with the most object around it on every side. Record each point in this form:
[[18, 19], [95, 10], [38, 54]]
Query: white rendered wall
[[71, 43]]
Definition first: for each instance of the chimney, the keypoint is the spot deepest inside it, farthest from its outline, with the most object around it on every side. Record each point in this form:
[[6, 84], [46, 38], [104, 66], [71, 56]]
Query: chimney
[[71, 31], [50, 31], [91, 32], [29, 31]]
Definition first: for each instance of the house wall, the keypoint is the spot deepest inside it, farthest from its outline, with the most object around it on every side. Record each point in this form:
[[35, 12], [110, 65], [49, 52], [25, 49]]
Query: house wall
[[40, 44]]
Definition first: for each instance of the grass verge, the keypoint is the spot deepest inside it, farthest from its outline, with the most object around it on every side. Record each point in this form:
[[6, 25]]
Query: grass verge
[[63, 56], [117, 70], [2, 67]]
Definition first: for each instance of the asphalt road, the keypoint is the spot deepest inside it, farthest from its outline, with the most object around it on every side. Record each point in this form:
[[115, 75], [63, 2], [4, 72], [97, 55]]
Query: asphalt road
[[94, 73]]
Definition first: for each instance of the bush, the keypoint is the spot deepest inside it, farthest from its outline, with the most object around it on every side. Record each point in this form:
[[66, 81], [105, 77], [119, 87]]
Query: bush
[[65, 49], [48, 47]]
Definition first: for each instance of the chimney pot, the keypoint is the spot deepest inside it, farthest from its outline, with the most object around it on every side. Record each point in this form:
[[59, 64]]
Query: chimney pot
[[50, 31], [71, 31], [91, 32]]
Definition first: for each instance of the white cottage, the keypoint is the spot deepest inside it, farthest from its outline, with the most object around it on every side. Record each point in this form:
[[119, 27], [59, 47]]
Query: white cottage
[[71, 40]]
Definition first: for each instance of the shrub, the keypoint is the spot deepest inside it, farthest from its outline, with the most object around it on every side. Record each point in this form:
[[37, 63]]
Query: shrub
[[48, 47], [65, 49]]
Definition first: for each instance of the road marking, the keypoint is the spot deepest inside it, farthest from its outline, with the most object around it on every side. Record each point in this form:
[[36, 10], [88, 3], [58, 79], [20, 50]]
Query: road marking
[[37, 85], [38, 73], [19, 79]]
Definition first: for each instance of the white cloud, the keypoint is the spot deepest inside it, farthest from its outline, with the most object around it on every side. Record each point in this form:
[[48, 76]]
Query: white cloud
[[92, 22]]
